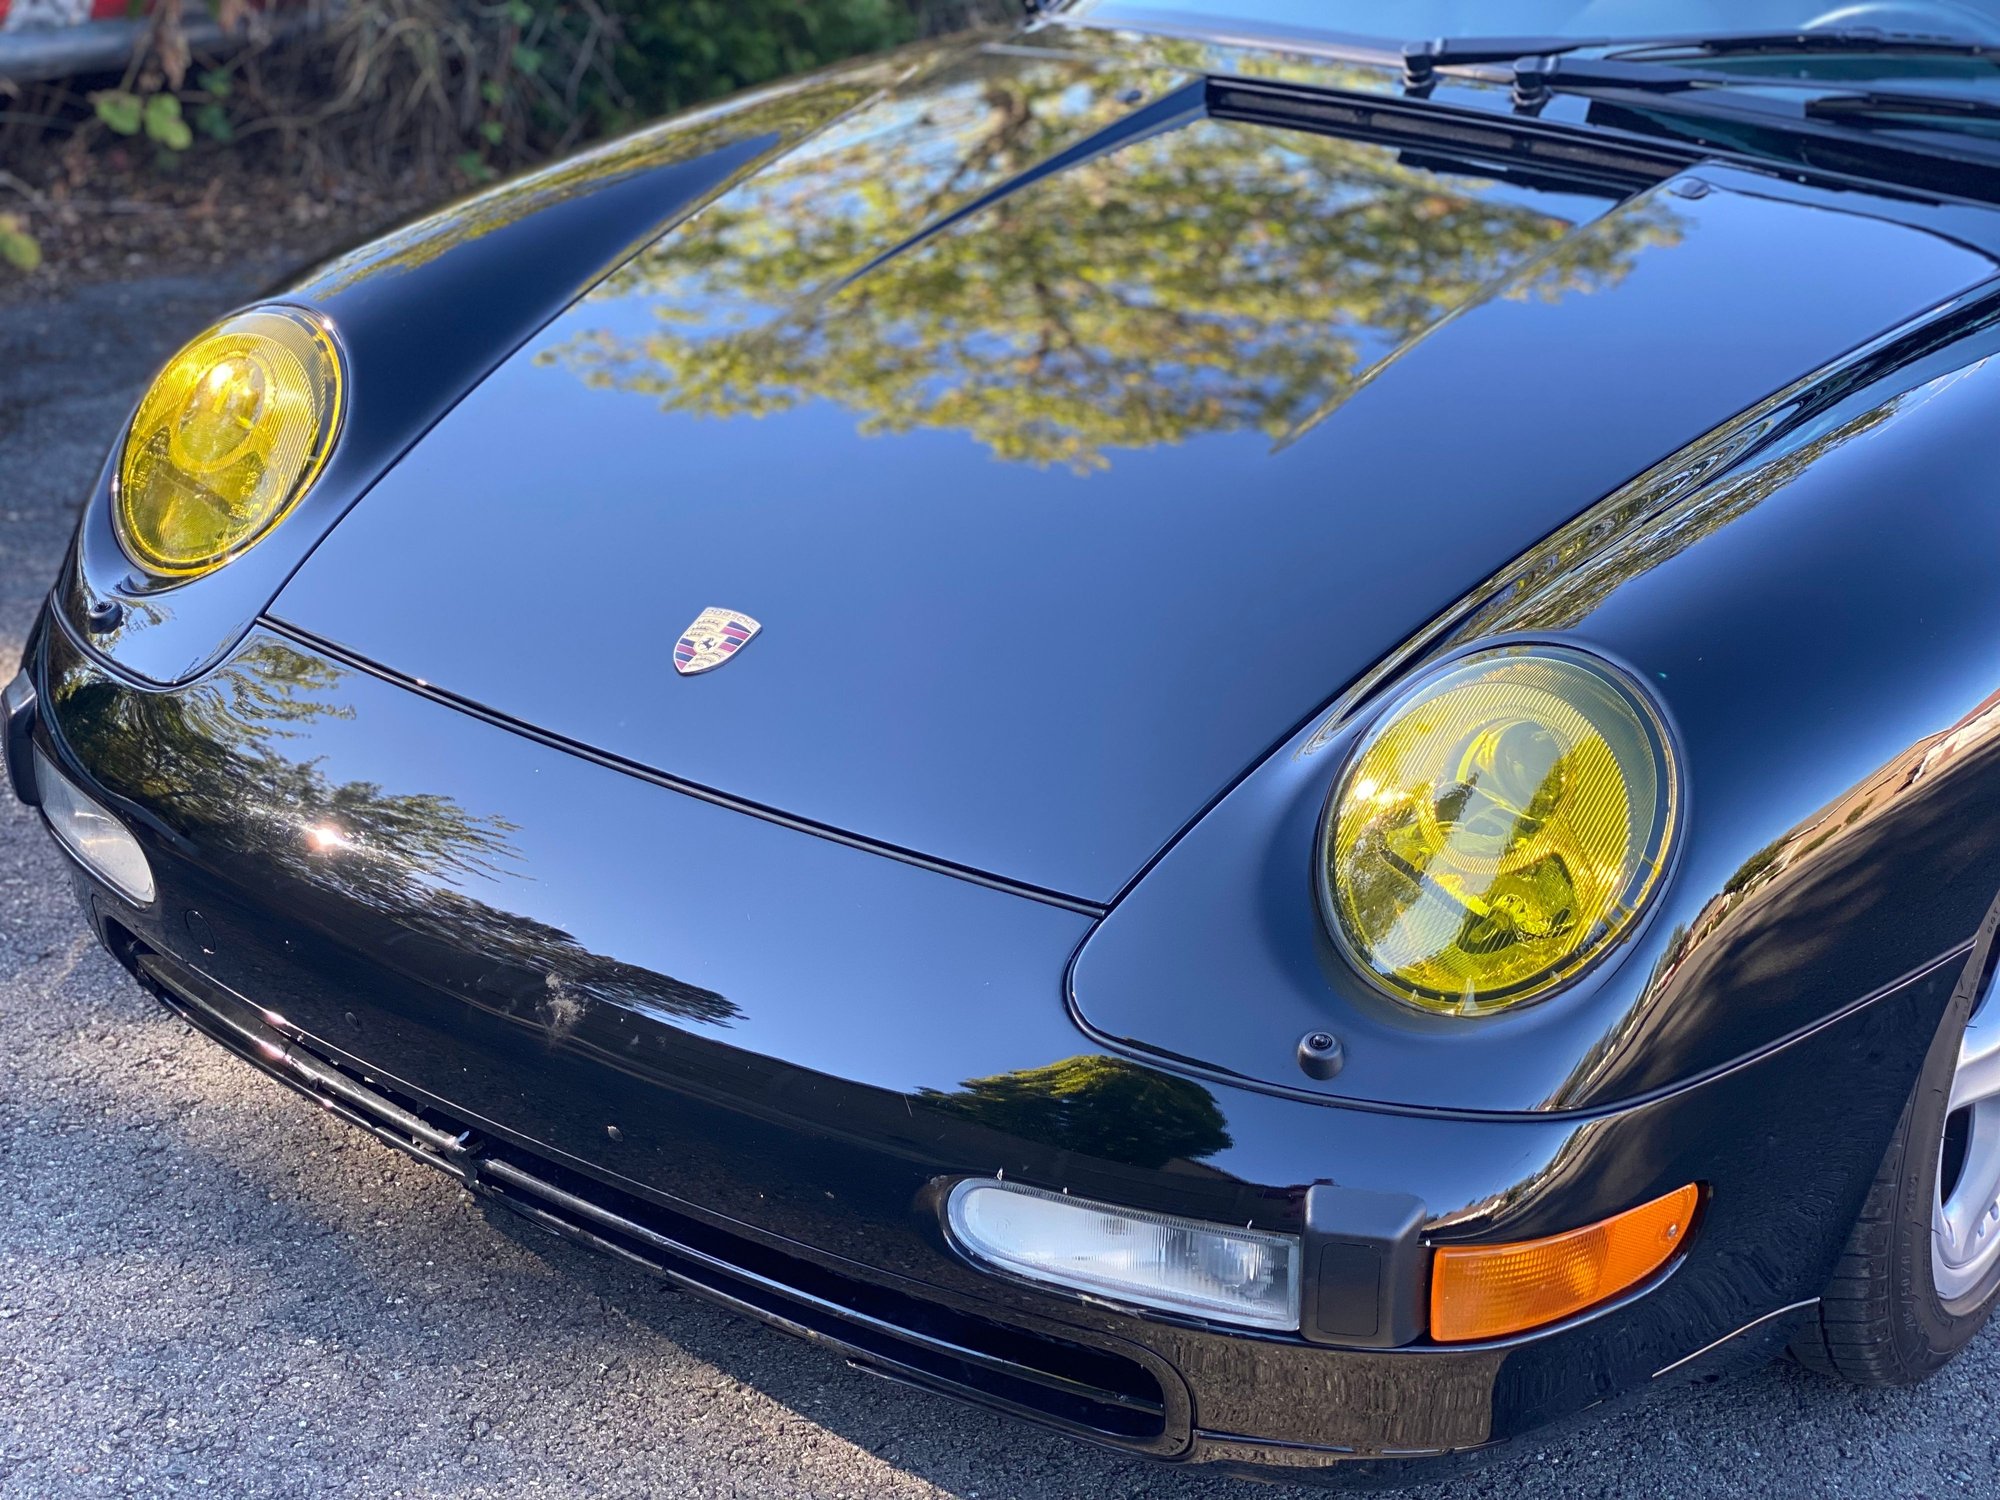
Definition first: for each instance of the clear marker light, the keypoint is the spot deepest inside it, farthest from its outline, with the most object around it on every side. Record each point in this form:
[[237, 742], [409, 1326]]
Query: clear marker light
[[93, 835], [1155, 1260]]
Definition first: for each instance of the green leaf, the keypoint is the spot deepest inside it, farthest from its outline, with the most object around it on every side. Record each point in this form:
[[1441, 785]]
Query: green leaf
[[520, 12], [212, 120], [491, 92], [493, 130], [120, 109], [18, 248], [215, 83], [164, 123], [474, 166], [528, 60]]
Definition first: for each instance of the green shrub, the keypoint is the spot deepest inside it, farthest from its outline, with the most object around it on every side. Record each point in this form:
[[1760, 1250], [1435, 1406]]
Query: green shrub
[[414, 96], [674, 53], [397, 85]]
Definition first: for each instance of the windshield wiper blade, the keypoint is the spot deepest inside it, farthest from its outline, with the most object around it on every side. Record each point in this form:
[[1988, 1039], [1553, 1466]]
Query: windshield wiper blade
[[1884, 106], [1422, 59], [1854, 39]]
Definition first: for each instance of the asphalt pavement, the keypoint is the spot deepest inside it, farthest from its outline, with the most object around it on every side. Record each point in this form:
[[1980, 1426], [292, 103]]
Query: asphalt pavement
[[209, 1288]]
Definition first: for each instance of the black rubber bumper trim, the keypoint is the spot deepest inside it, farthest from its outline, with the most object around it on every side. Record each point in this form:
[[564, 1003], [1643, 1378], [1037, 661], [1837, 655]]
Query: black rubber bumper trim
[[19, 705], [1136, 1417]]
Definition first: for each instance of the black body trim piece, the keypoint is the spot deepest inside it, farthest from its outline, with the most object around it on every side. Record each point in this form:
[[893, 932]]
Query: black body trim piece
[[18, 709], [1366, 1269]]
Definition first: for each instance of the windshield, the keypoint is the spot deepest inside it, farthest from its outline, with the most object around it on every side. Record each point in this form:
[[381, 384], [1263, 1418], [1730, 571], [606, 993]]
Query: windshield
[[1414, 20]]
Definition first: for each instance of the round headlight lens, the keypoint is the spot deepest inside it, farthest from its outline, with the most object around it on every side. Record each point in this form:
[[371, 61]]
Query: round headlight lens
[[232, 433], [1501, 825]]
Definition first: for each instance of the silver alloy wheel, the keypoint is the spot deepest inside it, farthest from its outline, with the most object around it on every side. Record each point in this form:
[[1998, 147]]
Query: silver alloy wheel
[[1965, 1222]]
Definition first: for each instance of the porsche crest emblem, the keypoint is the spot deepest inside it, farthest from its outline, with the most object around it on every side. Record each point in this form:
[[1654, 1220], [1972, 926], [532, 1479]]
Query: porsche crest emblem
[[715, 636]]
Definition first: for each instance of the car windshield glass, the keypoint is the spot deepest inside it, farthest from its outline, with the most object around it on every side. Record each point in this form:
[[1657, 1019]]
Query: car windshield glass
[[1394, 22]]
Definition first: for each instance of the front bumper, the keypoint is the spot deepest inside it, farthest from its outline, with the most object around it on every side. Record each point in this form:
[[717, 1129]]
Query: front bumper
[[754, 1057]]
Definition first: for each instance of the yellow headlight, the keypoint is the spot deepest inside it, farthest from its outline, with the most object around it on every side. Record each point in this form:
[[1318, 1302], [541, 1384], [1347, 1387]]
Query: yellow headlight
[[1498, 828], [232, 433]]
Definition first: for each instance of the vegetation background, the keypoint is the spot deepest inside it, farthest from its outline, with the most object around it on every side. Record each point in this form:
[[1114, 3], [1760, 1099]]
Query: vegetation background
[[293, 128]]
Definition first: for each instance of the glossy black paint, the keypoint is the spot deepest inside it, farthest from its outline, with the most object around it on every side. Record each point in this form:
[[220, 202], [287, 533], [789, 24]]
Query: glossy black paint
[[1115, 548], [806, 1066], [1098, 425]]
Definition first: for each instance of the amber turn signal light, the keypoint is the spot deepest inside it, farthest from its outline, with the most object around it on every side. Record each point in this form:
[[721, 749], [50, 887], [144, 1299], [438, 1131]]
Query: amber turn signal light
[[1489, 1291]]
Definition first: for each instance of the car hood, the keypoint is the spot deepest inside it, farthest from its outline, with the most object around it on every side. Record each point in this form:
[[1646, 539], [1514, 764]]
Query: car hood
[[1071, 447]]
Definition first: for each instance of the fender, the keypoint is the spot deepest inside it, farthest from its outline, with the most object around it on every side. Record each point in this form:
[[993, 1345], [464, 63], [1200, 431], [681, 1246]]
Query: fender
[[1805, 591]]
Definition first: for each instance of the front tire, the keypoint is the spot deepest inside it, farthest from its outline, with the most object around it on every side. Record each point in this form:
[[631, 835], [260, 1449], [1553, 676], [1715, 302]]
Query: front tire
[[1920, 1274]]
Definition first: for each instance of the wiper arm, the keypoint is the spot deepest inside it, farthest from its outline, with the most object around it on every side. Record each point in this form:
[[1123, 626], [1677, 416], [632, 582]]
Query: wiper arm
[[1421, 60], [1853, 131], [1730, 109], [1538, 76]]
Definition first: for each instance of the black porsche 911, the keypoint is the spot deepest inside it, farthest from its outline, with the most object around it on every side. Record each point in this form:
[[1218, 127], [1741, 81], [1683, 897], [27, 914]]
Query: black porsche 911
[[1272, 732]]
